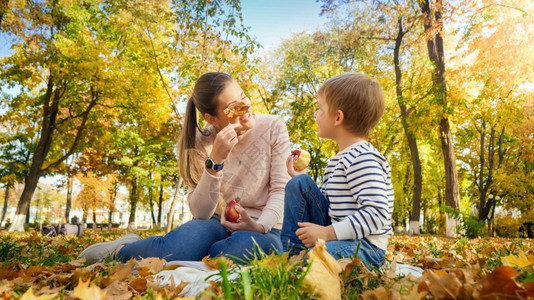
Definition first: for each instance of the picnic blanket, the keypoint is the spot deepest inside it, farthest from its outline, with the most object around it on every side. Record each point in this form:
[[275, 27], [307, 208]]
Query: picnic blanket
[[198, 275]]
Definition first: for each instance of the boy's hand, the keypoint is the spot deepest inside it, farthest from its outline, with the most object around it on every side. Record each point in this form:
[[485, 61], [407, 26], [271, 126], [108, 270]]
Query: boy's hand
[[291, 169], [308, 233]]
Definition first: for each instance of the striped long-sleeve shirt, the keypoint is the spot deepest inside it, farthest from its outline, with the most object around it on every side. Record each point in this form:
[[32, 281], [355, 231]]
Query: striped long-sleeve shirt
[[357, 184]]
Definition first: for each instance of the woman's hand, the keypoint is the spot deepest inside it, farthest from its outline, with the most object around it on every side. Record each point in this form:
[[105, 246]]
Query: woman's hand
[[291, 169], [225, 140], [246, 223]]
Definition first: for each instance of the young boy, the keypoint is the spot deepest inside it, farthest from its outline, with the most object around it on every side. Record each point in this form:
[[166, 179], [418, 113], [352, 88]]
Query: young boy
[[352, 210]]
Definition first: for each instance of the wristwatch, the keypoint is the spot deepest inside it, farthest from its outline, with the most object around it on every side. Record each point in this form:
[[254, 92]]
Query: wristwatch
[[213, 166]]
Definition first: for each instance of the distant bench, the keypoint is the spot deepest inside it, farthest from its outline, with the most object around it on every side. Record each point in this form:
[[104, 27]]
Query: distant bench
[[527, 230]]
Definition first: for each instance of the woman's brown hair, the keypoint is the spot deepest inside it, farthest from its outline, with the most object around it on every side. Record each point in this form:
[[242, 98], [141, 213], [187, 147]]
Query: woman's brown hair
[[204, 98]]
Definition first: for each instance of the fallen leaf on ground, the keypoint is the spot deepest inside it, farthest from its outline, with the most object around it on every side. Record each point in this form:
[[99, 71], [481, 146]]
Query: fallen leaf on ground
[[520, 261], [30, 296], [154, 264], [323, 275], [84, 291], [500, 283], [118, 290], [122, 271]]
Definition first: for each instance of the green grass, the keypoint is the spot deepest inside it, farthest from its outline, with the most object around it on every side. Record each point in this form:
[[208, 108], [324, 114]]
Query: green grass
[[9, 250], [269, 277]]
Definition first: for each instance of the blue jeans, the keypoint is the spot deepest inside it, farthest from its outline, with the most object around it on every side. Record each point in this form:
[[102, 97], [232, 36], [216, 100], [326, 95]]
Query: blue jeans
[[304, 202], [197, 238]]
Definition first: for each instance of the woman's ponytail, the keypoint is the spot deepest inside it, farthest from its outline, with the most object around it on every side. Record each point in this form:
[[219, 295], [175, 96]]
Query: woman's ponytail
[[204, 98], [186, 147]]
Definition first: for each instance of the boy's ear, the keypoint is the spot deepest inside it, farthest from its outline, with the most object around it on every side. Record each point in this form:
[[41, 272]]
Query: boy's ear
[[339, 118]]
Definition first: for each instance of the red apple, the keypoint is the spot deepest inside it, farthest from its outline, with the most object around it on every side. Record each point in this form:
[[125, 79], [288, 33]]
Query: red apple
[[231, 213]]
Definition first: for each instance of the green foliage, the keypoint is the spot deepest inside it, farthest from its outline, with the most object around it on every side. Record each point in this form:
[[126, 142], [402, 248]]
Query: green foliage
[[120, 65]]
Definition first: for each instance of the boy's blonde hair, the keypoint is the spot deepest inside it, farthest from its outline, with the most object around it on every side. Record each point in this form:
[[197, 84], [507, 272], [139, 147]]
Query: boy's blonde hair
[[359, 97]]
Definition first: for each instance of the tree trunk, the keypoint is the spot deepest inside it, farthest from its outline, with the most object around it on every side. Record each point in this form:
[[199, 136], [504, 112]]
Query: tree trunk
[[134, 198], [84, 217], [111, 207], [152, 213], [452, 190], [170, 214], [160, 204], [6, 202], [485, 180], [501, 151], [48, 126], [27, 194], [110, 223], [94, 220], [37, 211], [27, 221], [412, 141], [436, 55], [68, 205]]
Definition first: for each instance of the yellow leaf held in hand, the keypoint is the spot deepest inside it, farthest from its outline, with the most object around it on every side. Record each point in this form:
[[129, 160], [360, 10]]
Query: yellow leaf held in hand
[[519, 262], [323, 276]]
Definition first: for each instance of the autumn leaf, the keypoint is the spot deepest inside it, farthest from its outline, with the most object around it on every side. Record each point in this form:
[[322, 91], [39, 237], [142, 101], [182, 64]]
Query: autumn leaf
[[154, 264], [270, 261], [30, 271], [441, 284], [500, 282], [378, 293], [214, 262], [118, 290], [519, 261], [139, 284], [30, 296], [323, 274], [122, 271], [86, 292]]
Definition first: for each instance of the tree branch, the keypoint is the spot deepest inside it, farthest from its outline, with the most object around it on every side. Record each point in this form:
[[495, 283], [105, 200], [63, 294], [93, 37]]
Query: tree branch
[[94, 98], [147, 32]]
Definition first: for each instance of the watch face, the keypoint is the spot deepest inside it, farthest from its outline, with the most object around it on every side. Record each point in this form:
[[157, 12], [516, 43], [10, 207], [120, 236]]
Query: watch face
[[209, 163]]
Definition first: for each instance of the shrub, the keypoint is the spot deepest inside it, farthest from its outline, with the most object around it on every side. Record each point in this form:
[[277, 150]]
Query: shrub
[[469, 226], [507, 226], [472, 227]]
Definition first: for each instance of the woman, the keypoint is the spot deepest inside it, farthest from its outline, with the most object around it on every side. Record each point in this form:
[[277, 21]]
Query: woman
[[240, 156]]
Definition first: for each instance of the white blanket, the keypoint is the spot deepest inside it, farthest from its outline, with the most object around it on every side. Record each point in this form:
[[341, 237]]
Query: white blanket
[[196, 272]]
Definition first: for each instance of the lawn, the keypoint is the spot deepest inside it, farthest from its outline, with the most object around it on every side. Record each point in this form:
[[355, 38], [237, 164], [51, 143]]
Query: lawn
[[33, 265]]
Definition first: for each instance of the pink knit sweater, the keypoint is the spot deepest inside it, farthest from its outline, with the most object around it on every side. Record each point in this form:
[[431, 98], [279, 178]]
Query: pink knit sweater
[[255, 172]]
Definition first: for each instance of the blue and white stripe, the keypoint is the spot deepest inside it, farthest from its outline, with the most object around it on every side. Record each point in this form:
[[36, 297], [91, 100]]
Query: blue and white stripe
[[357, 183]]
